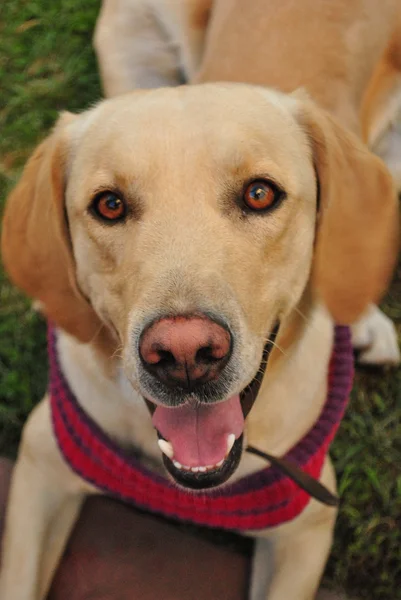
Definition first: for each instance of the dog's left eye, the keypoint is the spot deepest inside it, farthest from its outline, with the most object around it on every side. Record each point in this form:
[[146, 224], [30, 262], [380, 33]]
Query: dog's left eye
[[260, 195], [109, 206]]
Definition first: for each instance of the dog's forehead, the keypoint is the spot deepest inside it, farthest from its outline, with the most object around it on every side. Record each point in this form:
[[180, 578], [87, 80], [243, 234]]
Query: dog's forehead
[[216, 117]]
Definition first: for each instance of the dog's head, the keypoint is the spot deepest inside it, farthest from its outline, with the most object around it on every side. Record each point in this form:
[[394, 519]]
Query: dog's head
[[189, 222]]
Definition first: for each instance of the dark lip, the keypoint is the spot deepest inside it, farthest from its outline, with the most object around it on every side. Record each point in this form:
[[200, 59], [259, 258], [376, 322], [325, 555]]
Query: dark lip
[[249, 394], [217, 477]]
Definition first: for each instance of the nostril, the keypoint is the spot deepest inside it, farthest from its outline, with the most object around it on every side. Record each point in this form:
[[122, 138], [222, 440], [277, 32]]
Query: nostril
[[153, 353], [166, 359], [208, 354], [159, 357]]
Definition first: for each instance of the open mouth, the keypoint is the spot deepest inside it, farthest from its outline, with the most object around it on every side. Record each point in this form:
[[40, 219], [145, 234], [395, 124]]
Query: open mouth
[[202, 442]]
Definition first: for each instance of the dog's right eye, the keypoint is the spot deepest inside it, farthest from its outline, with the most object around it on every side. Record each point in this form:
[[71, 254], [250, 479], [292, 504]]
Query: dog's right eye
[[109, 206], [260, 195]]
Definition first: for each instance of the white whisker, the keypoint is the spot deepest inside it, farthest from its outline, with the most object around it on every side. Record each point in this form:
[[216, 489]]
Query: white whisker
[[273, 343]]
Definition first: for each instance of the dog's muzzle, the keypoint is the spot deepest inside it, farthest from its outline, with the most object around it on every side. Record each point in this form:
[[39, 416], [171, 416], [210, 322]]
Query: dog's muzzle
[[201, 440]]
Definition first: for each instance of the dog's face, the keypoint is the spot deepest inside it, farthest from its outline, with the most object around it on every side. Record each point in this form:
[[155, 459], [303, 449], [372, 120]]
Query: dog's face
[[191, 219], [192, 228]]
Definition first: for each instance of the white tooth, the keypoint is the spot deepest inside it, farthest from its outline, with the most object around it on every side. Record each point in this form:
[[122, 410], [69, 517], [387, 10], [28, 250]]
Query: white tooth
[[220, 463], [202, 469], [177, 464], [166, 448], [195, 469], [209, 467], [230, 442]]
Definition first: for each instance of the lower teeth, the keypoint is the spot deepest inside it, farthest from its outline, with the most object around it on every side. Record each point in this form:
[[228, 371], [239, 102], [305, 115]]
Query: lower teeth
[[202, 469]]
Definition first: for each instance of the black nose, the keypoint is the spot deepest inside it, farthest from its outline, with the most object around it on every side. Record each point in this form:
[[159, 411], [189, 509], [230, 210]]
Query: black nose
[[185, 350]]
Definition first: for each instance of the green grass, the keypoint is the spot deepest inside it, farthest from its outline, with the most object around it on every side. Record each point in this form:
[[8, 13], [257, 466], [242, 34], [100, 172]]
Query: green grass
[[367, 452], [47, 65]]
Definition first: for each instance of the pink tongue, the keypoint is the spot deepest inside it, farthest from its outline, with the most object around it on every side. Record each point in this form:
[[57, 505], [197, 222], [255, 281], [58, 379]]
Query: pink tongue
[[199, 435]]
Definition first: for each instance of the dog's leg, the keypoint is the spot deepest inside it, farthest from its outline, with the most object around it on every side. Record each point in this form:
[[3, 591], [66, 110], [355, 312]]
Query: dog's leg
[[262, 569], [381, 109], [381, 117], [188, 22], [147, 44], [376, 337], [300, 552], [44, 502], [388, 146], [133, 48]]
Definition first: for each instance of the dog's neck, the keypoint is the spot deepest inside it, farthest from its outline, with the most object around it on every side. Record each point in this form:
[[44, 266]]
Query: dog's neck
[[288, 403]]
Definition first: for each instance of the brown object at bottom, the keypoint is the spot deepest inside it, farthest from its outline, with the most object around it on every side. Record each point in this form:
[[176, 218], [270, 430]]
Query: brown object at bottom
[[117, 553]]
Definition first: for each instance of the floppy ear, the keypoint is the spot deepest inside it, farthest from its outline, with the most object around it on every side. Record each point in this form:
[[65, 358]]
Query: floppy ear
[[36, 247], [357, 236]]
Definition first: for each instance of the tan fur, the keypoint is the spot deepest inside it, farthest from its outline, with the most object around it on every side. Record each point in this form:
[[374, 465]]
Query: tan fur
[[200, 14], [353, 263], [36, 249], [180, 158], [382, 98]]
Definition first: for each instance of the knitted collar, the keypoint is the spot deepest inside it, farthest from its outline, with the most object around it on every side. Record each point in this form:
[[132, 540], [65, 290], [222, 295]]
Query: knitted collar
[[261, 500]]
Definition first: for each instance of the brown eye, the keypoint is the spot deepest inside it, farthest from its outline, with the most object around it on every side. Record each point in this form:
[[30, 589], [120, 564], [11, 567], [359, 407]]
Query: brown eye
[[260, 195], [109, 206]]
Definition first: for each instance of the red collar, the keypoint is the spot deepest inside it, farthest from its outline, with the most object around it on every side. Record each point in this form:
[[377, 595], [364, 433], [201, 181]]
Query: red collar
[[261, 500]]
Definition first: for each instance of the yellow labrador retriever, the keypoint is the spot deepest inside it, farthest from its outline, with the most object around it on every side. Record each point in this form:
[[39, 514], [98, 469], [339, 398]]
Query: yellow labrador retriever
[[165, 233], [346, 53]]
